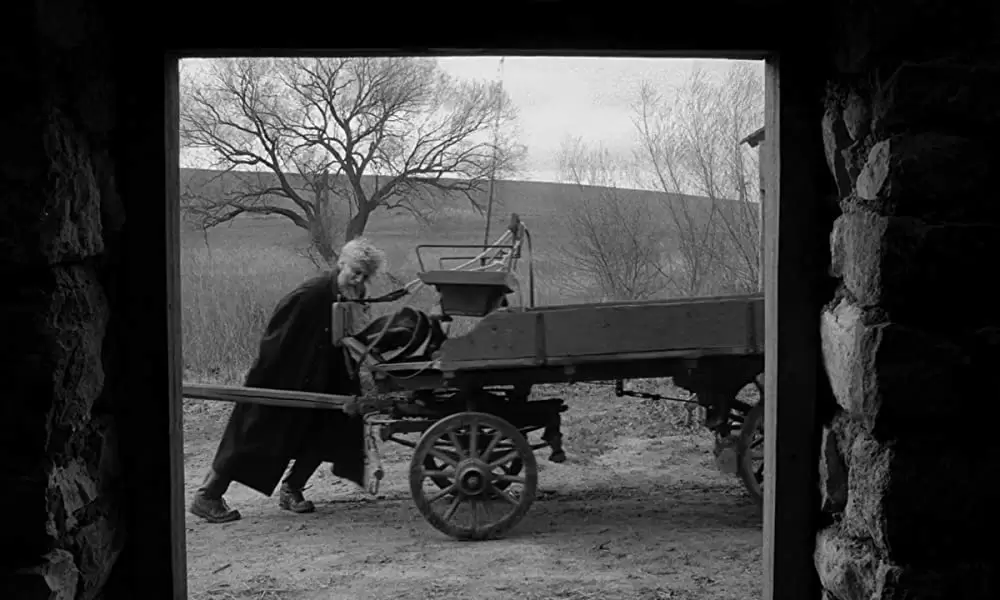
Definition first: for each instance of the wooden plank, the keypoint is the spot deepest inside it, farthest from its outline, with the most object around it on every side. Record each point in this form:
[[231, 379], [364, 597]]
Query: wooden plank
[[759, 296], [501, 335], [597, 329], [170, 125], [289, 398], [792, 307], [476, 278], [593, 359]]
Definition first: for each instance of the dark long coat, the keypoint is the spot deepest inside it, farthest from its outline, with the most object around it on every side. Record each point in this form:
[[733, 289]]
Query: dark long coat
[[296, 353]]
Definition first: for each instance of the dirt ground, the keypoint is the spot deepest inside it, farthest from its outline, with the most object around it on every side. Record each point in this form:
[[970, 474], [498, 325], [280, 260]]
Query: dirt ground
[[643, 517]]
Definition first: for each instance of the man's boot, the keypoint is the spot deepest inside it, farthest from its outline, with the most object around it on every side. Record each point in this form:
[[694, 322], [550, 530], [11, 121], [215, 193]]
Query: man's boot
[[290, 498], [208, 502]]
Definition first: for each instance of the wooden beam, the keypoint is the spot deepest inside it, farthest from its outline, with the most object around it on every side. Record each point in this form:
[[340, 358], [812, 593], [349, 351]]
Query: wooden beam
[[792, 307], [147, 322], [289, 398], [763, 156]]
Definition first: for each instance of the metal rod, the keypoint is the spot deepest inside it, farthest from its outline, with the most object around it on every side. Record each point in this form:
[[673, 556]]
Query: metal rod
[[493, 169]]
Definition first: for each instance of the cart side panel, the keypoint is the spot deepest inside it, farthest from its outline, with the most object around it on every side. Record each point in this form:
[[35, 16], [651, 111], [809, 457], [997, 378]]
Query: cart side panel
[[725, 324], [504, 336]]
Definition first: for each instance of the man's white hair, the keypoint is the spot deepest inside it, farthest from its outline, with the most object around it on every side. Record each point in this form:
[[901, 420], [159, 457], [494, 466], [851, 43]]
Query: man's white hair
[[362, 253]]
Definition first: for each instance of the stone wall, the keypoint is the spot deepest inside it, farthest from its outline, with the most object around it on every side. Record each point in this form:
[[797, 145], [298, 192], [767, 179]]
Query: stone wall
[[59, 215], [910, 341]]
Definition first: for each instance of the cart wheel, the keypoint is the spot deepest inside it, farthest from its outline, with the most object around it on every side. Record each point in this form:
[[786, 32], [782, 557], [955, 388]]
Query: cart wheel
[[481, 499], [750, 453], [512, 468]]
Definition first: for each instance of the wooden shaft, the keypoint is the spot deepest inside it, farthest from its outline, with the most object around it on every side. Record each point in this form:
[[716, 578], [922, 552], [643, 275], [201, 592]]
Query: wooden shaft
[[230, 393]]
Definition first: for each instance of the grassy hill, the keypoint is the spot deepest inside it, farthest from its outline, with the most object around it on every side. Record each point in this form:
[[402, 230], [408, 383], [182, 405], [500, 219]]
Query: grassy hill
[[233, 274], [541, 205]]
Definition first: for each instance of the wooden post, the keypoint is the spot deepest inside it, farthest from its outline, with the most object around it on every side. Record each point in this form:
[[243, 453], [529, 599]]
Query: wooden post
[[792, 285], [149, 405], [762, 157]]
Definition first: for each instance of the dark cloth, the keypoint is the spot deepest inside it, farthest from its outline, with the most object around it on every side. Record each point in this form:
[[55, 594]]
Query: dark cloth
[[296, 353]]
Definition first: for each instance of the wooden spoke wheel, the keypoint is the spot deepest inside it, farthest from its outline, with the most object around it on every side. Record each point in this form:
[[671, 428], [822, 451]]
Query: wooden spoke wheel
[[750, 450], [473, 495], [512, 468]]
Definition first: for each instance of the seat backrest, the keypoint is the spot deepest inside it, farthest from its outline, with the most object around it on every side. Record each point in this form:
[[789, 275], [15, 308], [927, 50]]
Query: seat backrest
[[470, 293]]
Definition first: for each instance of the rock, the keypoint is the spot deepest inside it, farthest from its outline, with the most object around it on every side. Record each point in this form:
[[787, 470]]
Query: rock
[[894, 378], [920, 96], [76, 488], [856, 242], [60, 203], [929, 175], [98, 545], [835, 139], [832, 474], [857, 115], [841, 339], [919, 273], [846, 567], [931, 482], [55, 578], [77, 332]]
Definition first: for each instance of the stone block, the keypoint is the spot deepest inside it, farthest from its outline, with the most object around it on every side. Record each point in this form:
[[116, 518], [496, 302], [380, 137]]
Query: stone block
[[922, 501], [54, 322], [919, 273], [835, 140], [52, 210], [896, 379], [847, 567], [857, 115], [918, 96], [75, 489], [930, 175], [98, 546]]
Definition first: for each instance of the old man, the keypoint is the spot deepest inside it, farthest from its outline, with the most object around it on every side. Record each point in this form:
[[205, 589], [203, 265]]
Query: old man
[[296, 353]]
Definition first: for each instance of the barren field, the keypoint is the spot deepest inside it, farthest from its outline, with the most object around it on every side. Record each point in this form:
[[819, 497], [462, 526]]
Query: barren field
[[634, 514]]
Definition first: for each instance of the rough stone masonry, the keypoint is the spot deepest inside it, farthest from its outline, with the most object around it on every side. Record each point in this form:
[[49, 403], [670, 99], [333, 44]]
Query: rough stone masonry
[[910, 342], [61, 496]]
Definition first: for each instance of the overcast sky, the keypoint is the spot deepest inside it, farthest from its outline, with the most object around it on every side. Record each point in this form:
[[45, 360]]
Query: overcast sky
[[560, 97]]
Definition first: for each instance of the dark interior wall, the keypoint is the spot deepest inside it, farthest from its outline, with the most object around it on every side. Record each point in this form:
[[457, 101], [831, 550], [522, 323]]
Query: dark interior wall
[[910, 340], [60, 220]]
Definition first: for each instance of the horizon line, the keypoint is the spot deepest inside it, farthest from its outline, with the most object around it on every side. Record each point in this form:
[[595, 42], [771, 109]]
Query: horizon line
[[523, 180]]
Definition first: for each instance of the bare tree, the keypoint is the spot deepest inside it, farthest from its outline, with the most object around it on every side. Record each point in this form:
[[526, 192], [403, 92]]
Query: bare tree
[[335, 139], [690, 148], [612, 239]]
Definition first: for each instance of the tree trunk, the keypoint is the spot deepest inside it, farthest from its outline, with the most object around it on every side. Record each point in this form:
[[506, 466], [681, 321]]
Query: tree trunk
[[321, 231], [357, 224]]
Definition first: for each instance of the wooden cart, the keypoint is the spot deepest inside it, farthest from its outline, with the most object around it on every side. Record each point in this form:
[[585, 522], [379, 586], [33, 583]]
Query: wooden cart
[[473, 474]]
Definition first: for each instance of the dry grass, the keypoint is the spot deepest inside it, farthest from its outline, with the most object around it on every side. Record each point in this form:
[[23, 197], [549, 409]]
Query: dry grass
[[233, 277], [232, 280]]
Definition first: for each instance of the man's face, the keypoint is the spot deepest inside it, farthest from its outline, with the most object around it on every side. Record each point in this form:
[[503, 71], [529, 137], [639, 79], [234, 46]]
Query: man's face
[[352, 276]]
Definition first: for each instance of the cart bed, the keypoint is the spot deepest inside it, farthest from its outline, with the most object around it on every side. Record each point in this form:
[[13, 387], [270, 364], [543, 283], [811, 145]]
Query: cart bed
[[597, 337]]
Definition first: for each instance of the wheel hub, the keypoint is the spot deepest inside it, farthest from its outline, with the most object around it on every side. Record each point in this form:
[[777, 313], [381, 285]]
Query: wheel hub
[[473, 477]]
